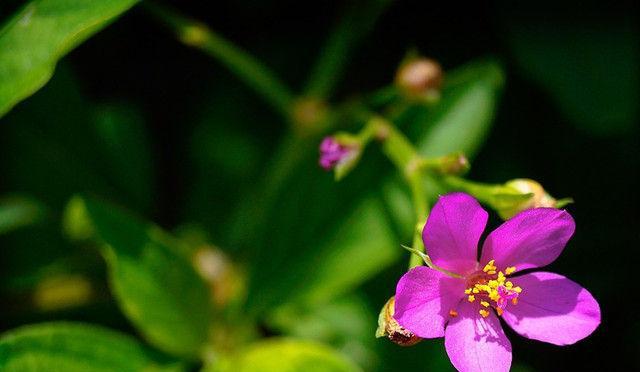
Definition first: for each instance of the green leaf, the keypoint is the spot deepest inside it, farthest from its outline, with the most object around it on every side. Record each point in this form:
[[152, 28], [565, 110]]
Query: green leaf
[[289, 355], [76, 347], [358, 245], [17, 212], [359, 248], [154, 282], [463, 118], [35, 38]]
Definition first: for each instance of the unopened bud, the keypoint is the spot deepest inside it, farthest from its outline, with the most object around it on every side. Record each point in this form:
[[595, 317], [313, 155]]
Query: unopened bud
[[340, 152], [419, 76], [388, 326], [309, 115], [525, 194], [454, 164]]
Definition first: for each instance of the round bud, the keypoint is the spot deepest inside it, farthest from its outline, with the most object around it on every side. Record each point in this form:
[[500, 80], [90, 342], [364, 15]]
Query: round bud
[[540, 197], [419, 76], [309, 114]]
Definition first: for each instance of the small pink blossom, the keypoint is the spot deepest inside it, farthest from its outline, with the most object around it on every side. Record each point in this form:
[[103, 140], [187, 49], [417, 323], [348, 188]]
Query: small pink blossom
[[465, 307], [333, 153]]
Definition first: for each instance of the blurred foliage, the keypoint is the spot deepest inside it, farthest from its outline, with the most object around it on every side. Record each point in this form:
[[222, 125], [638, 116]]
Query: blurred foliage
[[73, 347], [18, 211], [288, 356], [152, 279], [33, 40], [133, 121], [588, 64]]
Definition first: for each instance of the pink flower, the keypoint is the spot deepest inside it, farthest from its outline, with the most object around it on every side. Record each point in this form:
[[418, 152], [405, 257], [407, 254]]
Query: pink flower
[[333, 153], [465, 304]]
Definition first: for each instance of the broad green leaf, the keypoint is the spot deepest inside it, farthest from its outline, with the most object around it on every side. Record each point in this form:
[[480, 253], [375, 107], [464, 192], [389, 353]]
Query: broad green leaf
[[36, 37], [18, 211], [465, 113], [153, 280], [332, 257], [288, 355], [76, 347], [363, 243]]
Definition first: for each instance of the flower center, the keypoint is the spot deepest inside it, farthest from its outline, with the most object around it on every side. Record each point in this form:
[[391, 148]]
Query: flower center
[[490, 288]]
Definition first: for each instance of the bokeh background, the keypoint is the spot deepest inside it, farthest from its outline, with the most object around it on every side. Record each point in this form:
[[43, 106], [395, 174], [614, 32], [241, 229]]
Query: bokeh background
[[568, 118]]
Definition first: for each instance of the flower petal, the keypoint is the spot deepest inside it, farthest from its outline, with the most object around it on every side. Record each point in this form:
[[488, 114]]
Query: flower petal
[[532, 238], [552, 308], [452, 232], [424, 298], [475, 343]]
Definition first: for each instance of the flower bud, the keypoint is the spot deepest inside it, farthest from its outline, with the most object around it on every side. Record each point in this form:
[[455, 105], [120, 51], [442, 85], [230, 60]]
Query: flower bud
[[309, 115], [388, 326], [419, 76], [524, 194], [454, 164], [340, 153]]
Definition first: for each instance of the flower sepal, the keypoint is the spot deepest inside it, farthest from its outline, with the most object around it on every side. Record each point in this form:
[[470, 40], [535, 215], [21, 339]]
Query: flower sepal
[[389, 327]]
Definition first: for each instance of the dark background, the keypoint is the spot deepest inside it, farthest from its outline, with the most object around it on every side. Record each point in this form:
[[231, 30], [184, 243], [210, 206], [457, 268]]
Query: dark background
[[568, 119]]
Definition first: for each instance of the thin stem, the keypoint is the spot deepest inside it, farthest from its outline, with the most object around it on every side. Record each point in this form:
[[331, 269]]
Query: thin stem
[[404, 155], [246, 67], [421, 208]]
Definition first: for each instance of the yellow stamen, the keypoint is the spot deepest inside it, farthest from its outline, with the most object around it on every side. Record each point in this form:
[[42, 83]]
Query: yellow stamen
[[494, 296], [489, 266], [453, 313], [509, 285], [489, 285]]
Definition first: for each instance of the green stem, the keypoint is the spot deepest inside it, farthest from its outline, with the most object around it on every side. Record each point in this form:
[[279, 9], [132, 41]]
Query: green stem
[[405, 157], [245, 66], [421, 208], [481, 191]]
